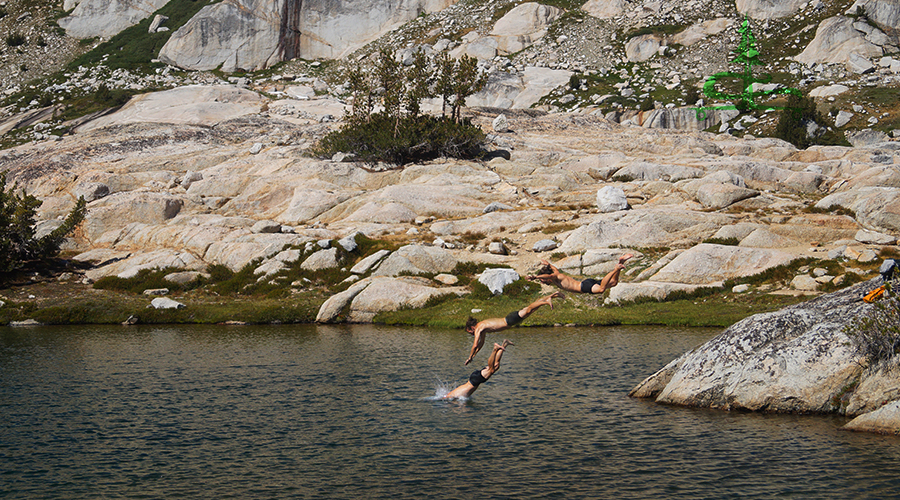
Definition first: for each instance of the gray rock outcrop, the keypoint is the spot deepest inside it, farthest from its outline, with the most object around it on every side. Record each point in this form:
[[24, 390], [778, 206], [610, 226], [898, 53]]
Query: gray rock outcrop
[[105, 18], [797, 359], [523, 25], [254, 34]]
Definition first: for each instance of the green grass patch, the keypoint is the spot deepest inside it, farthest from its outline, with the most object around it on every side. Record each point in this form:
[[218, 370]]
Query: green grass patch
[[720, 309], [146, 279], [115, 309], [659, 30]]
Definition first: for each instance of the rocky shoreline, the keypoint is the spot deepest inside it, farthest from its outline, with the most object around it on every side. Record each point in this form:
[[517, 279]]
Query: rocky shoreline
[[218, 175]]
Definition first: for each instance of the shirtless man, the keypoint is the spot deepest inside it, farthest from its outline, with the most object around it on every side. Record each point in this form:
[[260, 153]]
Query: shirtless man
[[479, 328], [550, 275], [478, 377]]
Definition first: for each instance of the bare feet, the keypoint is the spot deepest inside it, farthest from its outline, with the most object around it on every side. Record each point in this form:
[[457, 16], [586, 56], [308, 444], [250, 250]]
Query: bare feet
[[467, 361], [498, 347], [556, 295], [625, 257], [507, 342]]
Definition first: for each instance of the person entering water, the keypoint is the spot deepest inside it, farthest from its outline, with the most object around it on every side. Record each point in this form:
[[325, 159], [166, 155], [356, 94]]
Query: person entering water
[[550, 275], [479, 328], [479, 377]]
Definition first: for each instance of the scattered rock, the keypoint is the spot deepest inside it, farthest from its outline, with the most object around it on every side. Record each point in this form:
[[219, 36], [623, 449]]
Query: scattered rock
[[500, 124], [497, 248], [805, 283], [323, 259], [446, 279], [496, 206], [874, 238], [544, 246], [611, 199], [156, 291], [366, 264]]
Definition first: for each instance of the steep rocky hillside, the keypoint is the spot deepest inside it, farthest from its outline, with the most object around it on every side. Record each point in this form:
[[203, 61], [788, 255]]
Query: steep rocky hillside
[[593, 57]]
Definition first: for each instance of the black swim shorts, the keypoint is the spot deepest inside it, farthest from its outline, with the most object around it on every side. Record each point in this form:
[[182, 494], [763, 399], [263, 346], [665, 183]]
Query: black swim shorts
[[476, 378], [587, 284], [513, 318]]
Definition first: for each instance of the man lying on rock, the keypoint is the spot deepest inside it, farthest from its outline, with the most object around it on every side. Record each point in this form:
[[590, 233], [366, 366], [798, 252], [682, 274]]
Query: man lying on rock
[[550, 275], [479, 328]]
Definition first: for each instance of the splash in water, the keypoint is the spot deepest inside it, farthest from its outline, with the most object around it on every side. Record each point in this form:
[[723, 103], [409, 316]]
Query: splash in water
[[441, 389]]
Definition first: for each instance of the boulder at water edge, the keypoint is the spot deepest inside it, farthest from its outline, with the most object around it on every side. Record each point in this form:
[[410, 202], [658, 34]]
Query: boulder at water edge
[[797, 359]]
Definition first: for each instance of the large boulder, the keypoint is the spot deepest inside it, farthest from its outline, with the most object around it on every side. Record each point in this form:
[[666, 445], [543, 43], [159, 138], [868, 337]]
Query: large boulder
[[797, 359], [131, 264], [836, 39], [700, 30], [708, 263], [416, 259], [120, 209], [523, 25], [647, 171], [105, 18], [884, 420], [519, 90], [644, 228], [370, 296], [642, 48], [885, 13], [627, 292]]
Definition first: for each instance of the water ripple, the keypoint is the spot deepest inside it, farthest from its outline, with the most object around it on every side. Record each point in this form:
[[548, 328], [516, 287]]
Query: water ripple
[[342, 412]]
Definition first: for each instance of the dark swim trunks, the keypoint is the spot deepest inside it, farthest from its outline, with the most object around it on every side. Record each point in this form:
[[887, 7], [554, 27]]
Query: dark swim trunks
[[513, 318], [476, 378], [587, 284]]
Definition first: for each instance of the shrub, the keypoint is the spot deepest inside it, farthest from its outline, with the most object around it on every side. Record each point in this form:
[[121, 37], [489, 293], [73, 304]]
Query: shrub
[[15, 39], [722, 241], [416, 139], [792, 122], [146, 279], [18, 245], [398, 134]]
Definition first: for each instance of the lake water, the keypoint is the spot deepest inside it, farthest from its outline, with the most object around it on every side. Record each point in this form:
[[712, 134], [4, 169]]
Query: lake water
[[348, 412]]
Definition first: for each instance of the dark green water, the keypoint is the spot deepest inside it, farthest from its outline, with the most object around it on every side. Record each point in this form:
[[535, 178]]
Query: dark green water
[[348, 412]]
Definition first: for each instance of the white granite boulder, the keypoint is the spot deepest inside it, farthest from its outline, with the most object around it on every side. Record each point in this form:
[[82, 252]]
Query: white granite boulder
[[496, 279], [370, 296], [416, 259], [642, 48], [166, 303], [611, 199], [323, 259], [523, 25], [836, 39], [707, 263]]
